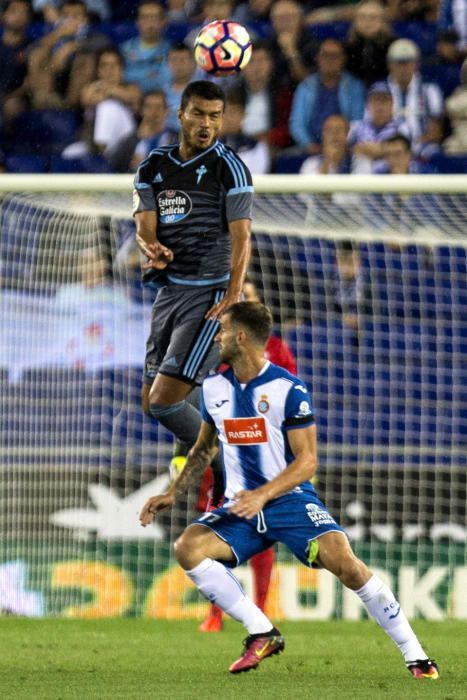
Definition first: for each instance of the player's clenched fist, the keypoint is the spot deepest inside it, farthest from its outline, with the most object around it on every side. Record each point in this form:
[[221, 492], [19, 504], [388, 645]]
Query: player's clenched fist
[[155, 505]]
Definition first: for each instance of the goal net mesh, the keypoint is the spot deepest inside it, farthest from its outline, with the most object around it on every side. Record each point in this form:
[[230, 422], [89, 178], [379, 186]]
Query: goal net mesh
[[368, 289]]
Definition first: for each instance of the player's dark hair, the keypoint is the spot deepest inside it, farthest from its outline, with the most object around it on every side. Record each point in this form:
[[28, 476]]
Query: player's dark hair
[[399, 137], [204, 89], [254, 316]]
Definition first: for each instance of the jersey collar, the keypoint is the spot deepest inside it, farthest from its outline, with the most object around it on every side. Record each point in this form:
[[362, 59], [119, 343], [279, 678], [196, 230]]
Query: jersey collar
[[256, 381], [184, 163]]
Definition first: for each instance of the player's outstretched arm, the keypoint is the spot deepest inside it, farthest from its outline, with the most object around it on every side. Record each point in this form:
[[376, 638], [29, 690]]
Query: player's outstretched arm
[[199, 457], [240, 232], [302, 442]]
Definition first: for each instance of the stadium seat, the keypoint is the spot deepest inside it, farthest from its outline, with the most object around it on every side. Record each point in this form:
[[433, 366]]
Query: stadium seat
[[424, 34], [447, 77], [330, 30], [118, 31], [446, 164], [285, 163], [176, 32], [91, 163], [46, 131], [26, 163]]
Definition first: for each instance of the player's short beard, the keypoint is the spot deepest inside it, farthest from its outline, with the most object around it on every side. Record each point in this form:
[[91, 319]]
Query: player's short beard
[[229, 354]]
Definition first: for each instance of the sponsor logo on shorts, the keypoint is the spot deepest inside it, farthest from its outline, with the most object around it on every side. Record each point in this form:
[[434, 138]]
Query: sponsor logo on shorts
[[318, 515], [245, 431], [174, 205]]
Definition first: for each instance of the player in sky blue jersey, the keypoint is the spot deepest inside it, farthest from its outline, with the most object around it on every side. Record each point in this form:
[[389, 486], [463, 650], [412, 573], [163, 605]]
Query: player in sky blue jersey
[[262, 418], [192, 207]]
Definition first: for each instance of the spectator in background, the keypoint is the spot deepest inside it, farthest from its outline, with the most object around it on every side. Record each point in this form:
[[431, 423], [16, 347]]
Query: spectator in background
[[331, 90], [368, 41], [334, 159], [443, 65], [414, 10], [453, 16], [399, 159], [267, 103], [15, 19], [182, 68], [448, 50], [351, 292], [395, 212], [63, 61], [419, 103], [255, 154], [292, 48], [145, 56], [109, 105], [98, 10], [128, 152], [367, 137], [178, 11], [456, 107], [253, 13], [335, 156]]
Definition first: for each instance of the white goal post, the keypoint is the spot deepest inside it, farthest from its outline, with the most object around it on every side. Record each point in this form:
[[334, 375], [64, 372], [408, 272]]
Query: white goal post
[[366, 277]]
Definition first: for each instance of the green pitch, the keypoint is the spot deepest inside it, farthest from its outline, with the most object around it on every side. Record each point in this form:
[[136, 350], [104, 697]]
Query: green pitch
[[143, 659]]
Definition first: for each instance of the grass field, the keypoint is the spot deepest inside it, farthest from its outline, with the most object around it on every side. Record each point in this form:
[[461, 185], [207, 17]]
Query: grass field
[[134, 658]]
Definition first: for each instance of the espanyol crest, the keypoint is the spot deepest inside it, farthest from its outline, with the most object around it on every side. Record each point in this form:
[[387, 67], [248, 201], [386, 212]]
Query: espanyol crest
[[263, 404]]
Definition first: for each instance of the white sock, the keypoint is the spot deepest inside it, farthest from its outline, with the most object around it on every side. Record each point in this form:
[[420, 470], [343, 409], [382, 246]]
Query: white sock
[[220, 587], [385, 609]]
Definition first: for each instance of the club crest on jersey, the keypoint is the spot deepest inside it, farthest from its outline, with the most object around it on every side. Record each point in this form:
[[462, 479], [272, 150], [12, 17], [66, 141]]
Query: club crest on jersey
[[263, 405], [304, 408], [245, 431], [173, 205], [201, 171]]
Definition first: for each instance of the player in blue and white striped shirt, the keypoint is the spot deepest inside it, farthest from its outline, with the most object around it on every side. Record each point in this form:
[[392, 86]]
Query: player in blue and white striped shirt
[[262, 419]]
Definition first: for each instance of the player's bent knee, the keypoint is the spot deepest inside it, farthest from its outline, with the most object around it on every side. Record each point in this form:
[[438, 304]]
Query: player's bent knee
[[188, 550]]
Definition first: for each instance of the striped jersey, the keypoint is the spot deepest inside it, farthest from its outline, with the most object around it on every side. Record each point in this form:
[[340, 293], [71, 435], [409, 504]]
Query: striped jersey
[[194, 201], [252, 423]]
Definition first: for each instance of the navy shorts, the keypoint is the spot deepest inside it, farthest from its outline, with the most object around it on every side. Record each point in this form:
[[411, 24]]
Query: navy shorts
[[181, 340], [295, 519]]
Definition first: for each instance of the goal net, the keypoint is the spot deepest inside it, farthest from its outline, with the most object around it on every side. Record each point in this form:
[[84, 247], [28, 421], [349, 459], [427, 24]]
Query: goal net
[[366, 279]]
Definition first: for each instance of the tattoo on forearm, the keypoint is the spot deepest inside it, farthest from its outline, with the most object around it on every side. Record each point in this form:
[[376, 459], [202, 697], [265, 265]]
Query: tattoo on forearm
[[197, 461]]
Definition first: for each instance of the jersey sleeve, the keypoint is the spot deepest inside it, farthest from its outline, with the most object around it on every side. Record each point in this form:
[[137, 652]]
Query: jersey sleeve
[[299, 411], [238, 186], [143, 192], [205, 415]]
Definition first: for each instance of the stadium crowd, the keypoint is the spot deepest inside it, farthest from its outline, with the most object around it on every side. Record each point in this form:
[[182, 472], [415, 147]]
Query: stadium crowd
[[94, 85]]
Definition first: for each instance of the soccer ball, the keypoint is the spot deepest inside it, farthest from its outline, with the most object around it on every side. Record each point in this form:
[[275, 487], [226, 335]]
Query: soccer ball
[[223, 47]]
